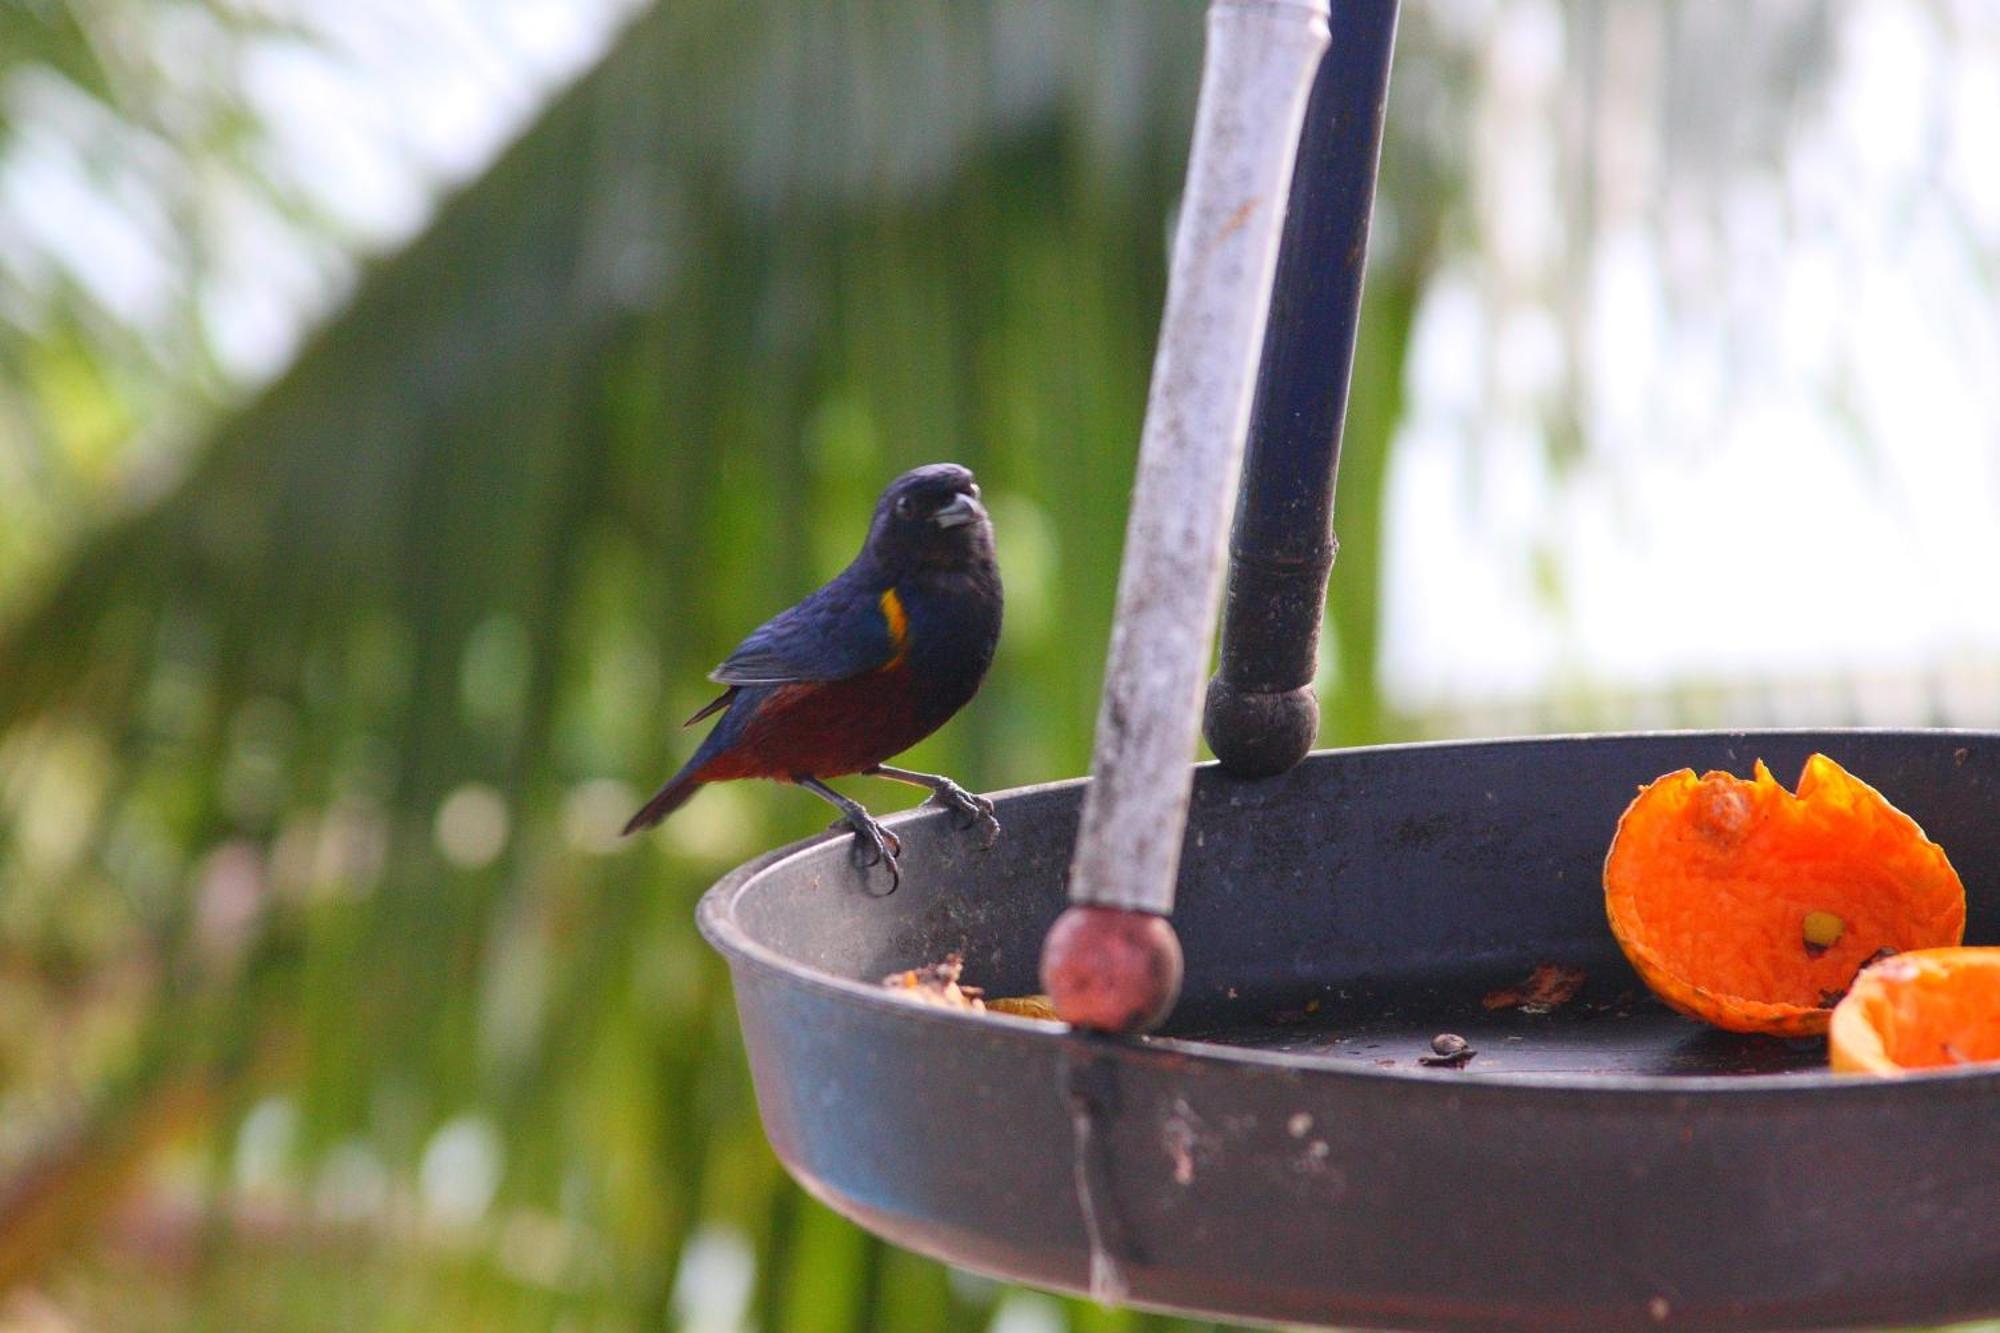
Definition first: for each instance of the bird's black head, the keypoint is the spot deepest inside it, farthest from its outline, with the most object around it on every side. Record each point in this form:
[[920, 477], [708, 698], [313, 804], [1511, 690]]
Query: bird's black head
[[931, 516]]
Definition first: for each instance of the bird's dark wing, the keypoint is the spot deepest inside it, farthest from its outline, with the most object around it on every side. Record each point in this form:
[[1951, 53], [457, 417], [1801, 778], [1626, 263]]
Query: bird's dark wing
[[715, 705], [842, 630]]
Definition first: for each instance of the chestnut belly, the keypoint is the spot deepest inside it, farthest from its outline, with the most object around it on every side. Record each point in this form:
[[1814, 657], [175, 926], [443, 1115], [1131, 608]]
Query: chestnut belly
[[828, 729]]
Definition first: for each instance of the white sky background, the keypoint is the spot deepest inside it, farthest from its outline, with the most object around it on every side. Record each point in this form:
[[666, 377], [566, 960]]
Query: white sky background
[[1791, 415], [1790, 395], [365, 117], [393, 102]]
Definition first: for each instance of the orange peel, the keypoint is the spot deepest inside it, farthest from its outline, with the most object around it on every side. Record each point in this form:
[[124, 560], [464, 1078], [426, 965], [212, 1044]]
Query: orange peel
[[1711, 882], [1931, 1009]]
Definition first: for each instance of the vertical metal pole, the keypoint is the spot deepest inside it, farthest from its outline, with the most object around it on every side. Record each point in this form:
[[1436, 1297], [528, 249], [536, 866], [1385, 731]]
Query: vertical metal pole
[[1262, 714], [1112, 962]]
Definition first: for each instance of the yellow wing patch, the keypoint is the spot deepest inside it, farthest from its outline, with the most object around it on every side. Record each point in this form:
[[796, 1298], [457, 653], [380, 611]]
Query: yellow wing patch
[[899, 628]]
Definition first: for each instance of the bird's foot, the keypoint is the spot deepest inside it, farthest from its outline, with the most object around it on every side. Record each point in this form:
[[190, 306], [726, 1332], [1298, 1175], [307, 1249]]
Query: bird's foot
[[874, 846], [970, 809]]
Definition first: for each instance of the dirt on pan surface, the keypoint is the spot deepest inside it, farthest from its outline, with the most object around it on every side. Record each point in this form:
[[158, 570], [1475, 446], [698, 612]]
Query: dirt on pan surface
[[942, 984], [1550, 986]]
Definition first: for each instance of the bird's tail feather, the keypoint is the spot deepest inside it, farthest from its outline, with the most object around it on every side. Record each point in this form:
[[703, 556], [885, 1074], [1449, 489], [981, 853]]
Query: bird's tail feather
[[667, 800]]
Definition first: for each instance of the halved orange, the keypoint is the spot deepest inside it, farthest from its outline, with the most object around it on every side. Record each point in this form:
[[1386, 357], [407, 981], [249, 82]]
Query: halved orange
[[1752, 908], [1924, 1010]]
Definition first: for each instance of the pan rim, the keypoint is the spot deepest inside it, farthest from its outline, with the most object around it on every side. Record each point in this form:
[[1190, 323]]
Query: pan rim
[[715, 917]]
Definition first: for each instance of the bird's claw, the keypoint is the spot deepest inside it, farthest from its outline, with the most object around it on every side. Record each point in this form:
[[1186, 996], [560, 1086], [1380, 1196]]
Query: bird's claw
[[971, 810], [874, 846]]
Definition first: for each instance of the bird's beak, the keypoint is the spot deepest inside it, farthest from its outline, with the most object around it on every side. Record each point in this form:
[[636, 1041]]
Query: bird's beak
[[962, 510]]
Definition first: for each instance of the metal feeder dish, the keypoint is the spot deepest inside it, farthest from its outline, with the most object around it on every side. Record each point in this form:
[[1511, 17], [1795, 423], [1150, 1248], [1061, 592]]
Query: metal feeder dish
[[1278, 1153]]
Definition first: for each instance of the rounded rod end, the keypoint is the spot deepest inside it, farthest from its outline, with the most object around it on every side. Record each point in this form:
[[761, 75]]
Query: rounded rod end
[[1256, 734], [1112, 969]]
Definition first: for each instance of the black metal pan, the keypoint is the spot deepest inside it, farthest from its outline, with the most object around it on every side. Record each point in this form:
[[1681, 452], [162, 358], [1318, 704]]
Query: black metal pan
[[1277, 1153]]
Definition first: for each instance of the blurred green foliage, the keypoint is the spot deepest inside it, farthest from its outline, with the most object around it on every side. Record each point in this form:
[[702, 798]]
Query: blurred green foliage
[[127, 146], [315, 924]]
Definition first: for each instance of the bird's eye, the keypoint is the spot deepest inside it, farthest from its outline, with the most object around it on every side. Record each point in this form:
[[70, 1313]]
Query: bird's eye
[[904, 508]]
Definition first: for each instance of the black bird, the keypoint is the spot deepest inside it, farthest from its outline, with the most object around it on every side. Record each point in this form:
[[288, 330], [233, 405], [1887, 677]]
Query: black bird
[[865, 667]]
